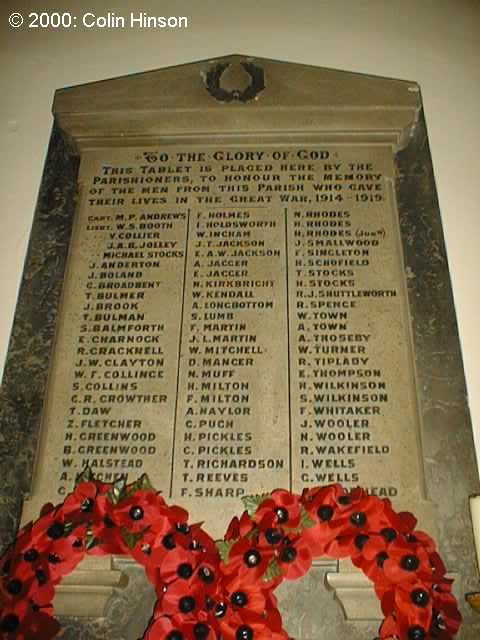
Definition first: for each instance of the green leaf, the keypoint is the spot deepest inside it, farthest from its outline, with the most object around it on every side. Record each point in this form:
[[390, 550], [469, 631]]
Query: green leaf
[[90, 540], [252, 534], [131, 539], [117, 492], [142, 484], [68, 527], [306, 521], [224, 547], [251, 503], [273, 571], [85, 476]]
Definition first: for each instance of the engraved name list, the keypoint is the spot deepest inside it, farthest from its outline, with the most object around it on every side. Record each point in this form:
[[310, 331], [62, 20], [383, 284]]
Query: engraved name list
[[236, 319]]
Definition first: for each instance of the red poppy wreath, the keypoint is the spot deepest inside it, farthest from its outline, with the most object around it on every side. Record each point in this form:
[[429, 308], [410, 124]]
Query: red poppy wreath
[[209, 590]]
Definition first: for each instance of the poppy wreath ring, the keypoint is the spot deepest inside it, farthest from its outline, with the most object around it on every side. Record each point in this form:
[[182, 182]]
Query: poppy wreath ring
[[209, 590]]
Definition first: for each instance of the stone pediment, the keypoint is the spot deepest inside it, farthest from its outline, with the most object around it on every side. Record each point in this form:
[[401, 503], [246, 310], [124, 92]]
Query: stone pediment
[[180, 100]]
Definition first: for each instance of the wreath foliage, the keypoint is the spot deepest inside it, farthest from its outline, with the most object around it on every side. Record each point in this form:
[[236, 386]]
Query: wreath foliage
[[209, 590]]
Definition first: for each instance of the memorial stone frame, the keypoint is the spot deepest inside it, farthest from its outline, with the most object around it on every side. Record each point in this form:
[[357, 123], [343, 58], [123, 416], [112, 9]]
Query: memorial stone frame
[[237, 281]]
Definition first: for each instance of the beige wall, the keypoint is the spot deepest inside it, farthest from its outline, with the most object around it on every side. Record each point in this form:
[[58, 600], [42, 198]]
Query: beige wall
[[434, 42]]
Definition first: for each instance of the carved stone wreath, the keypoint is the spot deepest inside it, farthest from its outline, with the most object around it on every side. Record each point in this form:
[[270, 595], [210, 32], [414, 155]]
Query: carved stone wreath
[[213, 82]]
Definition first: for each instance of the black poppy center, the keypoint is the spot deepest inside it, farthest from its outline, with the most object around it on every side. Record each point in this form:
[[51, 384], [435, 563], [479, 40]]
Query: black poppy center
[[251, 558], [41, 576], [344, 500], [206, 575], [288, 554], [388, 534], [244, 633], [56, 530], [31, 555], [136, 513], [201, 631], [9, 623], [14, 586], [187, 604], [358, 519], [273, 536], [282, 514], [168, 541], [175, 635], [184, 570], [325, 513], [183, 527], [108, 522], [410, 563], [437, 620], [361, 540], [416, 633], [220, 609], [87, 505], [380, 558], [420, 597], [239, 598]]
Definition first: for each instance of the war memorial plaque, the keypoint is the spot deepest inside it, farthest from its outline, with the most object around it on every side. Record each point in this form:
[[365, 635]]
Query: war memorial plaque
[[249, 291]]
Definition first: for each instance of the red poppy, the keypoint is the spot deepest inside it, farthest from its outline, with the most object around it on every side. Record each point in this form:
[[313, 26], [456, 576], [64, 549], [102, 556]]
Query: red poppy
[[208, 574], [341, 517], [389, 629], [153, 563], [202, 544], [274, 625], [246, 557], [144, 547], [282, 508], [313, 498], [179, 564], [413, 606], [152, 550], [47, 528], [294, 558], [81, 500], [244, 602], [184, 600], [266, 627], [319, 538], [161, 626], [18, 586], [406, 562], [46, 508], [362, 514], [66, 552], [446, 617], [29, 623], [371, 561], [140, 510], [239, 527], [170, 517], [40, 625], [244, 595]]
